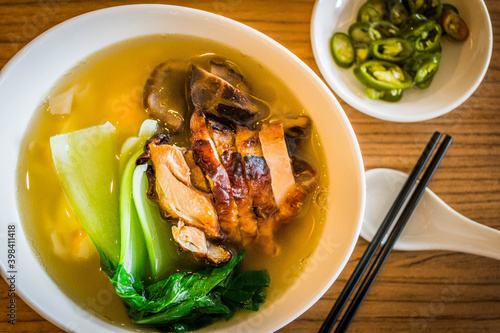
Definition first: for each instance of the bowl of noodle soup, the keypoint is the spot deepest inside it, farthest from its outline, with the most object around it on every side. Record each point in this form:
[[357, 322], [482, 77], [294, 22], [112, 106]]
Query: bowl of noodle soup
[[104, 60]]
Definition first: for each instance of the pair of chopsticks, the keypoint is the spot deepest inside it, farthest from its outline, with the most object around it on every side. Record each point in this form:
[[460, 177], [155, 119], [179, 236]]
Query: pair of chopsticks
[[381, 233]]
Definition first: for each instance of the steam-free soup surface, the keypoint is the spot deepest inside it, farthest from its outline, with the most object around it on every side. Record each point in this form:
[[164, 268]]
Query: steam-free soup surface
[[108, 86]]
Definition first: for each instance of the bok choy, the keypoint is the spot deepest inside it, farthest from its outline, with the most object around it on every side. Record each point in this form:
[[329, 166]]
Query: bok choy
[[162, 250], [88, 171]]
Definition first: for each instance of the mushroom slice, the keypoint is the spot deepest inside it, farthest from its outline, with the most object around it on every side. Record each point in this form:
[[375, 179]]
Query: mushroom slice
[[205, 155], [297, 128], [194, 240], [215, 95], [164, 95], [223, 138], [226, 72], [176, 197]]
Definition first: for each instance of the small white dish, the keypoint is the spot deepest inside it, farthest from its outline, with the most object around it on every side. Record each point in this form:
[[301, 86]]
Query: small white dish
[[463, 65], [27, 78]]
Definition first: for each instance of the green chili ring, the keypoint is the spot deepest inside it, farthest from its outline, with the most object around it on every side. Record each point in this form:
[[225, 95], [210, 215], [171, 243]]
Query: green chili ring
[[382, 75], [368, 14], [430, 40], [342, 49], [425, 73], [359, 32], [382, 29], [398, 13], [362, 52], [393, 95], [391, 49]]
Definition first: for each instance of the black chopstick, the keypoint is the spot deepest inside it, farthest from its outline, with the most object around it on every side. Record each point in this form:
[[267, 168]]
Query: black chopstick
[[379, 236], [393, 236]]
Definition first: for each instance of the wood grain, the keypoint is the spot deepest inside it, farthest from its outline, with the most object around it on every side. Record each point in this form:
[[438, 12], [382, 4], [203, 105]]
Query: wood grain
[[430, 291]]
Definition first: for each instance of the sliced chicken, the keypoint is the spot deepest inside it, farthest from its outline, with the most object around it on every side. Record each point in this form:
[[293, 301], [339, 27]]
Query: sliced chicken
[[205, 155], [296, 195], [194, 240], [272, 140], [157, 139], [215, 95], [198, 178], [256, 172], [176, 197], [259, 184], [223, 138], [292, 179]]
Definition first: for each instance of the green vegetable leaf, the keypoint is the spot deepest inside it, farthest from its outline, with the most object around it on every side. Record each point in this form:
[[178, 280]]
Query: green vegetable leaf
[[190, 300], [87, 168]]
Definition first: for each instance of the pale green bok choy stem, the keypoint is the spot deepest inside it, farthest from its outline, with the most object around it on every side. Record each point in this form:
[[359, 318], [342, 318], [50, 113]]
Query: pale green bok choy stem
[[163, 256]]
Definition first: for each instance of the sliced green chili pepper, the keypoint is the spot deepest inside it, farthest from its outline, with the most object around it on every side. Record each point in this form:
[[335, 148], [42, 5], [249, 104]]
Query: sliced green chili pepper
[[391, 49], [382, 75], [413, 64], [426, 34], [393, 95], [342, 50], [432, 9], [373, 93], [396, 44], [368, 14], [414, 20], [398, 13], [362, 52], [426, 71], [415, 5], [359, 32], [380, 6], [453, 25], [418, 28], [382, 29], [429, 40]]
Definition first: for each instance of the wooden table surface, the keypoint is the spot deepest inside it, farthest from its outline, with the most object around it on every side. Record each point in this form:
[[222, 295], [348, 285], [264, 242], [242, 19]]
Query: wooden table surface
[[430, 291]]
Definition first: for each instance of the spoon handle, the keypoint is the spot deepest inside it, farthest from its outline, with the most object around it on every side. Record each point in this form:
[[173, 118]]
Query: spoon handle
[[472, 237]]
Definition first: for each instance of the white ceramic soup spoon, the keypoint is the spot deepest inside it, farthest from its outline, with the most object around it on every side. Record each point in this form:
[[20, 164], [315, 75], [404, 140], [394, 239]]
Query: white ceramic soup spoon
[[432, 226]]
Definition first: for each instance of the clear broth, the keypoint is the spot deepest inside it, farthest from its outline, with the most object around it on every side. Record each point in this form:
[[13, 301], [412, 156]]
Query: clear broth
[[109, 88]]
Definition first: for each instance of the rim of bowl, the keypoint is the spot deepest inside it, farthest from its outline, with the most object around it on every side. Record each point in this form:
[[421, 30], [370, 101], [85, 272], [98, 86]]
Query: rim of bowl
[[80, 19], [365, 108]]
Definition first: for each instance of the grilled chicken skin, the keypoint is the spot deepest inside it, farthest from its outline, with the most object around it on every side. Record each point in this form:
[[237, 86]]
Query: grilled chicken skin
[[223, 138], [206, 156]]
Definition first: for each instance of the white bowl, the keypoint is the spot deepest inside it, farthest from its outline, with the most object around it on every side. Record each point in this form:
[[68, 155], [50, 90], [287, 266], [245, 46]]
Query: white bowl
[[27, 78], [463, 65]]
